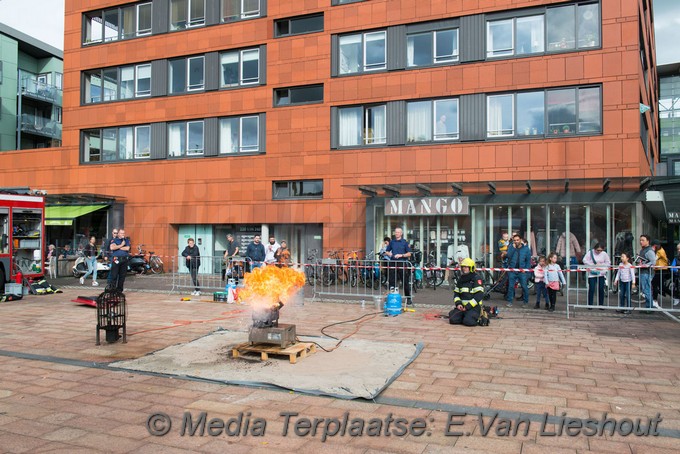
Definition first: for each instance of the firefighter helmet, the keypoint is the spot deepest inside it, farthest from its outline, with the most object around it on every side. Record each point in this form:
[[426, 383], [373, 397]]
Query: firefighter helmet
[[468, 262]]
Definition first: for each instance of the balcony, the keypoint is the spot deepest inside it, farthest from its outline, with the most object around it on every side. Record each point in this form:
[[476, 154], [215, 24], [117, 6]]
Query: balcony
[[40, 126], [40, 91]]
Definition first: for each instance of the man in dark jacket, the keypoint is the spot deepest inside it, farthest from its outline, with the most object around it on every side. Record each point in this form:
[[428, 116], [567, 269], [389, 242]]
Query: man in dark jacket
[[467, 296], [255, 253], [519, 257], [192, 255]]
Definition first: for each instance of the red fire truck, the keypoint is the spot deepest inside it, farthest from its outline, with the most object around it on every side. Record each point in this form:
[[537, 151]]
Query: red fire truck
[[22, 236]]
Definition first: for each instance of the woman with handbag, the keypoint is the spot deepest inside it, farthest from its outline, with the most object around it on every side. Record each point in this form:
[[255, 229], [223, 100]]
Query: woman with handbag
[[553, 279], [598, 262]]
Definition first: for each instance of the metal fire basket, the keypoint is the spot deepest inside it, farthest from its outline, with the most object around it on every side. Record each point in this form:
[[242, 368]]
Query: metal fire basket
[[267, 330], [111, 315]]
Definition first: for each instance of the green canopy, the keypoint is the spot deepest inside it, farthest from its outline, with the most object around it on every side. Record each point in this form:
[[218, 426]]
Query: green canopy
[[64, 214]]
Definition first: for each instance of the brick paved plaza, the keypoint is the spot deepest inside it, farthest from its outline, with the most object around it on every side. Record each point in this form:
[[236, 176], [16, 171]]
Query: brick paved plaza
[[56, 394]]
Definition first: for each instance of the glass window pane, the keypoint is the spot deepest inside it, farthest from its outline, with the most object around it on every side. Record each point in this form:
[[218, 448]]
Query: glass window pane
[[588, 25], [446, 46], [110, 87], [125, 141], [306, 24], [144, 19], [349, 127], [561, 28], [231, 10], [197, 12], [142, 141], [500, 116], [419, 49], [94, 27], [176, 78], [195, 137], [176, 139], [529, 39], [419, 121], [446, 113], [375, 51], [311, 188], [561, 111], [229, 128], [376, 125], [179, 12], [95, 87], [143, 80], [250, 66], [109, 144], [229, 71], [589, 109], [250, 134], [350, 54], [127, 82], [251, 8], [128, 22], [93, 144], [196, 73], [530, 113], [111, 25], [499, 38], [306, 94]]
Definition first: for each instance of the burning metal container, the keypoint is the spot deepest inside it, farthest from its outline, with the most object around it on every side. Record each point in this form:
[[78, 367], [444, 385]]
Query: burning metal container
[[267, 330], [111, 315]]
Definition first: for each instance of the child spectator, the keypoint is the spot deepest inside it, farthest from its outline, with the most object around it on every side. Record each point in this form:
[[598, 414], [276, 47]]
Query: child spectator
[[625, 278], [539, 282], [553, 278]]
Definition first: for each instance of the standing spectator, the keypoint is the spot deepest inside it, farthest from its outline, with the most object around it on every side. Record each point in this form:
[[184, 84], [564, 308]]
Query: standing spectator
[[553, 279], [255, 253], [192, 257], [90, 252], [657, 280], [502, 248], [120, 253], [283, 255], [231, 269], [675, 273], [598, 261], [272, 247], [519, 256], [106, 252], [539, 281], [399, 252], [52, 260], [625, 278], [383, 248], [647, 261]]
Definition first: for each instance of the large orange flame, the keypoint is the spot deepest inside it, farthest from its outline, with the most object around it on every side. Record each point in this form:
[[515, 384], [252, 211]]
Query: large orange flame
[[269, 285]]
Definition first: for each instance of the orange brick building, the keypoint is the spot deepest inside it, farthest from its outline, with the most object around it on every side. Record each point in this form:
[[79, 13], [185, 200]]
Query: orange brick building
[[330, 122]]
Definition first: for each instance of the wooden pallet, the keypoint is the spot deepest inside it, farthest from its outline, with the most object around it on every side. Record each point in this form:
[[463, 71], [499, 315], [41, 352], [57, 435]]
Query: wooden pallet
[[300, 349]]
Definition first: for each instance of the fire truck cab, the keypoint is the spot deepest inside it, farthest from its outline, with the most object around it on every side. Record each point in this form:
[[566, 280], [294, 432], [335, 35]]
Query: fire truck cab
[[22, 236]]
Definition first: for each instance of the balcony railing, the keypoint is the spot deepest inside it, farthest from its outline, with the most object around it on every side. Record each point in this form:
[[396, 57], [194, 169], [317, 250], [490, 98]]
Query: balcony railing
[[41, 126], [41, 91]]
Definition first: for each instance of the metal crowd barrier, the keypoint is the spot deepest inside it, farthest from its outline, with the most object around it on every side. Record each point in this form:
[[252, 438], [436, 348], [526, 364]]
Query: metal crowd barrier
[[212, 273], [360, 279]]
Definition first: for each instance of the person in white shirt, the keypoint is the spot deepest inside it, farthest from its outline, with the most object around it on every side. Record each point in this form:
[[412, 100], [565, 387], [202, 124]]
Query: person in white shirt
[[599, 262], [270, 251], [625, 278], [539, 283]]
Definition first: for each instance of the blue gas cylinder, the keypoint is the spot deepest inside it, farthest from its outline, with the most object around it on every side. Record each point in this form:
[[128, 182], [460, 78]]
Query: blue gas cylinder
[[393, 303]]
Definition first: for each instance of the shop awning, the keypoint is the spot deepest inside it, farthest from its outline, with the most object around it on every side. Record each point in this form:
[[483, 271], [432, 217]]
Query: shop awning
[[65, 214]]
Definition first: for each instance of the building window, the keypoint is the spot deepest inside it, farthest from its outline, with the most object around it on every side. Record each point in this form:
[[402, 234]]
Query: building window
[[111, 84], [516, 36], [362, 125], [186, 13], [58, 79], [142, 80], [300, 189], [112, 24], [429, 48], [233, 10], [362, 52], [239, 68], [1, 73], [573, 27], [186, 74], [343, 2], [298, 25], [185, 138], [240, 135], [309, 94], [428, 121], [116, 144], [554, 112]]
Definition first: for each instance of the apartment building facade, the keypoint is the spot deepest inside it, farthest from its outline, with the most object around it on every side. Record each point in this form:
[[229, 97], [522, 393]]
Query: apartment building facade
[[328, 123]]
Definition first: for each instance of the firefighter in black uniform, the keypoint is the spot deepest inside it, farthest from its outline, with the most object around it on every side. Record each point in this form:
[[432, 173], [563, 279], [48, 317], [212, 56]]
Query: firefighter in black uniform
[[467, 296]]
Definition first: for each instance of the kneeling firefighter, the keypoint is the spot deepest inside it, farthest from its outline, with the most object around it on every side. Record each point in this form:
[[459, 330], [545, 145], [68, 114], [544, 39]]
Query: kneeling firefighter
[[467, 296]]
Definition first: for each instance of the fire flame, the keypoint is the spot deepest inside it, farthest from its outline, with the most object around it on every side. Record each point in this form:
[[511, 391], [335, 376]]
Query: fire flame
[[270, 285]]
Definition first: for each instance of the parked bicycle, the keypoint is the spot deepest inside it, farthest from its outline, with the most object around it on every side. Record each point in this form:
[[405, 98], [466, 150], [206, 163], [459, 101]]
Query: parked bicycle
[[433, 275], [313, 267], [333, 270]]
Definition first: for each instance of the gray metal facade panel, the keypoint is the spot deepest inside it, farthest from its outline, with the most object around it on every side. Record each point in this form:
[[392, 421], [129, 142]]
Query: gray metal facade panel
[[334, 128], [212, 71], [335, 55], [159, 140], [212, 12], [396, 47], [263, 133], [263, 8], [472, 38], [159, 78], [263, 64], [211, 143], [160, 16], [396, 114], [472, 117]]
